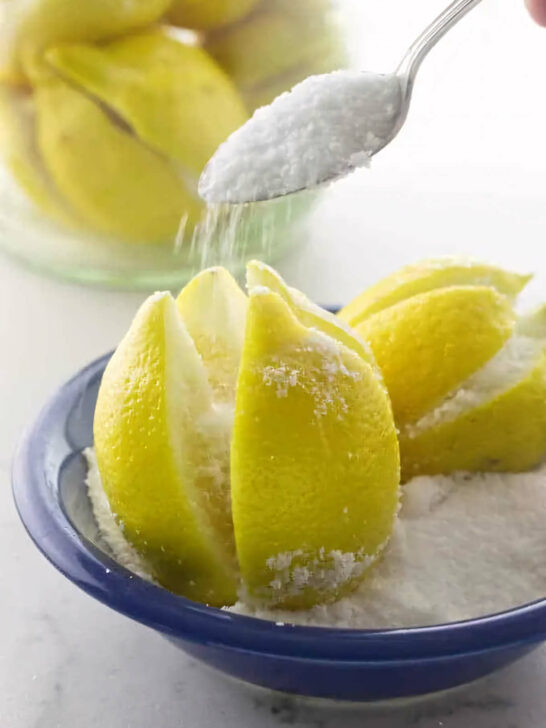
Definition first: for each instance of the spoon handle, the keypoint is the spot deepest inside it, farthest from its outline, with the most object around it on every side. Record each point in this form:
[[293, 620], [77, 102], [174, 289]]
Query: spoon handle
[[430, 36]]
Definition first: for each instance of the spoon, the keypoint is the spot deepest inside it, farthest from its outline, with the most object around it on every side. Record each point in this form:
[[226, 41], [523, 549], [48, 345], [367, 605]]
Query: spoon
[[291, 145]]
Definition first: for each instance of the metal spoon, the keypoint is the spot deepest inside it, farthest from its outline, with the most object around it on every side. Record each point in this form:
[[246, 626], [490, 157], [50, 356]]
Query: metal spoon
[[405, 74]]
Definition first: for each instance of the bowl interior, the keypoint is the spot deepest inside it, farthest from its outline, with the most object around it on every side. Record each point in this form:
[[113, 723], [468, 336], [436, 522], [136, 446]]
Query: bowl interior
[[72, 490], [50, 492]]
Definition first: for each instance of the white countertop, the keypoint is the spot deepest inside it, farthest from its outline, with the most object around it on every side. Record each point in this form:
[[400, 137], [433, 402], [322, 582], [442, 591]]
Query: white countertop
[[467, 176]]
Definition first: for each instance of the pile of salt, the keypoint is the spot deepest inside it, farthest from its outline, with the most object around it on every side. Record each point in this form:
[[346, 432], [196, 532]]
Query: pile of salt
[[321, 128]]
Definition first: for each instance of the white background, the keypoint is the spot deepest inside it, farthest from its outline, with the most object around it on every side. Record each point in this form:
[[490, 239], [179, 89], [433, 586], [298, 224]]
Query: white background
[[466, 175]]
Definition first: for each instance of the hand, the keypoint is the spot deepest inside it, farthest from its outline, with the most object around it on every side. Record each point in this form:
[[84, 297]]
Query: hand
[[537, 8]]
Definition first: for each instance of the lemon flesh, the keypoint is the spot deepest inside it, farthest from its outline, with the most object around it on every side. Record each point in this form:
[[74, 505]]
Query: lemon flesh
[[493, 421], [207, 14], [427, 344], [115, 183], [260, 274], [429, 275], [314, 461], [29, 27], [174, 96], [213, 309], [164, 468]]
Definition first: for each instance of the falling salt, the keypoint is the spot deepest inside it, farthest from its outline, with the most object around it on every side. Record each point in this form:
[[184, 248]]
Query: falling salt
[[325, 126], [230, 235]]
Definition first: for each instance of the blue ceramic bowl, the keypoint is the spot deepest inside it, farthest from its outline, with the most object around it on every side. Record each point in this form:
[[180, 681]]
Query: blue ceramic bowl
[[48, 483]]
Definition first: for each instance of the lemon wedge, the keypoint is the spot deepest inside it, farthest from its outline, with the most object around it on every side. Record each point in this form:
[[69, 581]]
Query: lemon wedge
[[116, 184], [163, 456], [425, 345], [428, 275], [19, 151], [314, 460], [493, 421], [260, 274], [213, 308], [30, 27], [172, 95]]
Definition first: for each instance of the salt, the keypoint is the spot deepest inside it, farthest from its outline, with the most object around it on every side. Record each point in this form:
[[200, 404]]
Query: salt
[[313, 133], [463, 546]]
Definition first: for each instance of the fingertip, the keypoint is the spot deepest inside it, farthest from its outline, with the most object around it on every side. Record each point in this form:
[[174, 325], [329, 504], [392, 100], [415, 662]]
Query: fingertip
[[537, 8]]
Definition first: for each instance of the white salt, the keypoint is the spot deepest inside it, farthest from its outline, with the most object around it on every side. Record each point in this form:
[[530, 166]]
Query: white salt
[[463, 546], [324, 127], [109, 529]]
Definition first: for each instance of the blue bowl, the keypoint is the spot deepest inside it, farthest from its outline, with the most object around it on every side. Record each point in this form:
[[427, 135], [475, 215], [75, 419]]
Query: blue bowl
[[358, 665]]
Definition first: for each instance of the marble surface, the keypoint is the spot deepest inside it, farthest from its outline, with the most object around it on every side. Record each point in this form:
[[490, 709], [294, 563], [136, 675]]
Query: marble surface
[[466, 176]]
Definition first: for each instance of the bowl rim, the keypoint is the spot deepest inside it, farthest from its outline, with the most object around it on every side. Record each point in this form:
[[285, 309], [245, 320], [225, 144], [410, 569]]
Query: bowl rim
[[36, 494]]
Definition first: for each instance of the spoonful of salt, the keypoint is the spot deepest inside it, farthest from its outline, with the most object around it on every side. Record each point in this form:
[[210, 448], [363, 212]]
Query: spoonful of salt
[[324, 128]]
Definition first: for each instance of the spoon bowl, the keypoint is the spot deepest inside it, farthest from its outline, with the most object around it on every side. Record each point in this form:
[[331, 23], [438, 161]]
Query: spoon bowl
[[322, 130]]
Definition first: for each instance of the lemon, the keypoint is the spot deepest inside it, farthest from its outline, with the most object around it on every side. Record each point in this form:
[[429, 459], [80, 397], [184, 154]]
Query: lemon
[[163, 456], [18, 149], [213, 308], [260, 274], [467, 378], [29, 27], [278, 45], [493, 421], [314, 460], [116, 184], [173, 96], [425, 345], [428, 275], [207, 14], [115, 140]]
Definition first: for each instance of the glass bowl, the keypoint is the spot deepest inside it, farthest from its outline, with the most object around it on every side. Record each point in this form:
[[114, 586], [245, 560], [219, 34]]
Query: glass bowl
[[108, 116], [356, 665]]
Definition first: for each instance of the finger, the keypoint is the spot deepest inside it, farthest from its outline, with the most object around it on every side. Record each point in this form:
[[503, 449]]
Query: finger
[[537, 8]]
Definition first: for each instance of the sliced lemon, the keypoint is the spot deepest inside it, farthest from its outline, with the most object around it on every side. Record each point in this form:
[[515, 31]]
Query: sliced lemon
[[114, 182], [314, 460], [429, 275], [29, 27], [163, 460], [260, 274], [425, 345], [174, 96], [213, 308], [493, 421], [20, 153]]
